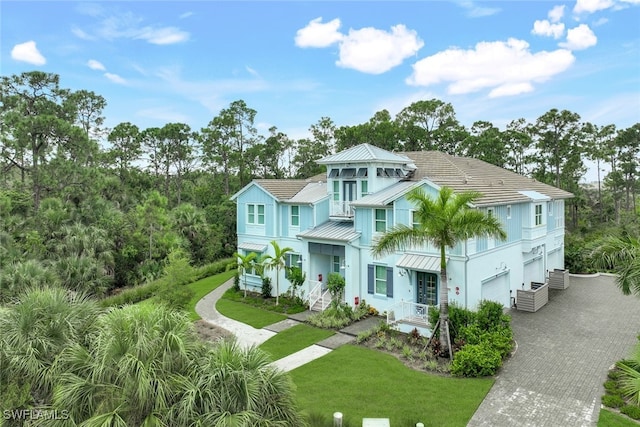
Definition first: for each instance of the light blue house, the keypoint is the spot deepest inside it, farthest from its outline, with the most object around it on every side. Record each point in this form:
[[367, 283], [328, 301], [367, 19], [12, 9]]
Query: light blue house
[[331, 221]]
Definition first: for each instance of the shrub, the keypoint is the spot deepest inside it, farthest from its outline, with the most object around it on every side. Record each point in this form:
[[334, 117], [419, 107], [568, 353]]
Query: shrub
[[335, 285], [611, 387], [612, 400], [266, 287], [236, 282], [491, 316], [131, 295], [458, 317], [175, 296], [217, 267], [631, 411], [476, 360]]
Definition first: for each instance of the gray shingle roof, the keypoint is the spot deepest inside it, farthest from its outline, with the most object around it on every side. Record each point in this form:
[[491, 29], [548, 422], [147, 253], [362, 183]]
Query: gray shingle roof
[[497, 185]]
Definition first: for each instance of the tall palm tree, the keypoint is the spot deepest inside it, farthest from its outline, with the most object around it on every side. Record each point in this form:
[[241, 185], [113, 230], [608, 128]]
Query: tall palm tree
[[622, 255], [443, 221], [276, 262], [245, 263]]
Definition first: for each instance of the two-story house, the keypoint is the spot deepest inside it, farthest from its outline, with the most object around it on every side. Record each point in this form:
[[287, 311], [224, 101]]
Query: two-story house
[[331, 221]]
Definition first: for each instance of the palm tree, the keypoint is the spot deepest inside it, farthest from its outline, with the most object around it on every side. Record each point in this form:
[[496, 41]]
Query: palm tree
[[277, 262], [35, 330], [622, 255], [443, 222], [245, 263]]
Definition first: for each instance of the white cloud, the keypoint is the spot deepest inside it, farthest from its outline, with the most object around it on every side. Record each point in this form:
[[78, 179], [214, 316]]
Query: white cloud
[[95, 65], [164, 114], [375, 51], [81, 34], [590, 6], [28, 52], [252, 71], [115, 78], [161, 36], [580, 37], [556, 14], [601, 21], [546, 28], [507, 68], [318, 34], [475, 11], [186, 15]]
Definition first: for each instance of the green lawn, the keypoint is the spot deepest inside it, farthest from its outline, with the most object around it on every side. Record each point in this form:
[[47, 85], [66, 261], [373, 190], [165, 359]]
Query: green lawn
[[202, 287], [256, 317], [293, 339], [611, 419], [360, 383]]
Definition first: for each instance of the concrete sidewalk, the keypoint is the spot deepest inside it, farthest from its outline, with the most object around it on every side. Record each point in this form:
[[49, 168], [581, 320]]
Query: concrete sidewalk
[[248, 336]]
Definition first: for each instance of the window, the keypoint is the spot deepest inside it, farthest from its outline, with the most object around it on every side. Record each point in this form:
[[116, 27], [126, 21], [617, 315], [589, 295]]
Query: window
[[336, 190], [389, 172], [490, 213], [336, 264], [295, 216], [508, 211], [364, 187], [381, 280], [292, 261], [348, 173], [363, 172], [252, 270], [538, 217], [550, 208], [334, 173], [415, 222], [255, 214], [381, 220], [379, 172]]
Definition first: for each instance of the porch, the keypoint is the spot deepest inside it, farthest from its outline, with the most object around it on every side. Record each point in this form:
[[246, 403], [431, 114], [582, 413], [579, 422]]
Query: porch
[[409, 315]]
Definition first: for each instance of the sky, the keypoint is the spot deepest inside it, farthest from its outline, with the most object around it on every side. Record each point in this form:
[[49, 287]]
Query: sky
[[294, 62]]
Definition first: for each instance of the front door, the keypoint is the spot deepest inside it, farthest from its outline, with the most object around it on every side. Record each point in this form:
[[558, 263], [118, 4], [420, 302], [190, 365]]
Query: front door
[[349, 190], [427, 288]]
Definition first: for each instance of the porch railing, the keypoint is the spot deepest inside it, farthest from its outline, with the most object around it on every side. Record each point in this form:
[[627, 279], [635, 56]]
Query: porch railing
[[408, 312], [341, 208], [315, 292]]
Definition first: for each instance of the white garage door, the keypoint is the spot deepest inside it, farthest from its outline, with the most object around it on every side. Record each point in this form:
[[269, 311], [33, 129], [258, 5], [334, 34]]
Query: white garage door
[[497, 289], [554, 259], [533, 272]]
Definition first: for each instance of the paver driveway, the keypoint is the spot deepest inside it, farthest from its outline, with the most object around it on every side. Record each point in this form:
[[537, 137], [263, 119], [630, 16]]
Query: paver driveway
[[564, 352]]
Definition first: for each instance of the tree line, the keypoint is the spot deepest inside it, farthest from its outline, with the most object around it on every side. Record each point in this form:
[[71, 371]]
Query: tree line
[[97, 208]]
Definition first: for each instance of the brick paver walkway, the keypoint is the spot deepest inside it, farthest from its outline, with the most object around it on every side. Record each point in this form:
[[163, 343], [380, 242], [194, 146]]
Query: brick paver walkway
[[564, 352]]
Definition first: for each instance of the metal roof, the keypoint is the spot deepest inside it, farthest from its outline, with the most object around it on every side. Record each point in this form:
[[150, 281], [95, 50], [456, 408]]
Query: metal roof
[[311, 193], [419, 262], [387, 195], [332, 230], [253, 247], [364, 153], [534, 195]]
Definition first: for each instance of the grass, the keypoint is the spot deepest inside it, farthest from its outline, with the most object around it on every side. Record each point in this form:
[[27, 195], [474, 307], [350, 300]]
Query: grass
[[293, 339], [202, 287], [611, 419], [360, 383], [256, 317]]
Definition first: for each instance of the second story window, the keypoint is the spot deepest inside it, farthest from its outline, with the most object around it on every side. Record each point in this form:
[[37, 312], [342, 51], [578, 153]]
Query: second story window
[[336, 190], [295, 216], [538, 216], [255, 214], [415, 221], [364, 187], [381, 221]]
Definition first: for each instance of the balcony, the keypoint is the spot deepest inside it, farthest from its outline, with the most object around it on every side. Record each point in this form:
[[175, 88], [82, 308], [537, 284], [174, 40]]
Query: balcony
[[341, 209]]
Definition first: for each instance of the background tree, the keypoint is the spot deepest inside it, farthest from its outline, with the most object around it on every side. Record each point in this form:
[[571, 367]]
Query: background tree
[[422, 124], [443, 221]]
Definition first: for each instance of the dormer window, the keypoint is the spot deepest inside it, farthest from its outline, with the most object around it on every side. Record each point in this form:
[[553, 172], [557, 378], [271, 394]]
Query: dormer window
[[363, 172], [334, 173], [389, 172]]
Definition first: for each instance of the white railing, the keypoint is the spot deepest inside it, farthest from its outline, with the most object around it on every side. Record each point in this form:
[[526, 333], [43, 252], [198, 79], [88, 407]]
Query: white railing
[[407, 311], [341, 208], [315, 292]]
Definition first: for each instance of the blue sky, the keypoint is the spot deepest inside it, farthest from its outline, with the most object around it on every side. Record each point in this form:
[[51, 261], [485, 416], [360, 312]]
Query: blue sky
[[294, 62]]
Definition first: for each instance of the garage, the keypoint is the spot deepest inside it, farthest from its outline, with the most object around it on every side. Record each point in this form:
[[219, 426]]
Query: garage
[[555, 259], [496, 288], [533, 271]]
